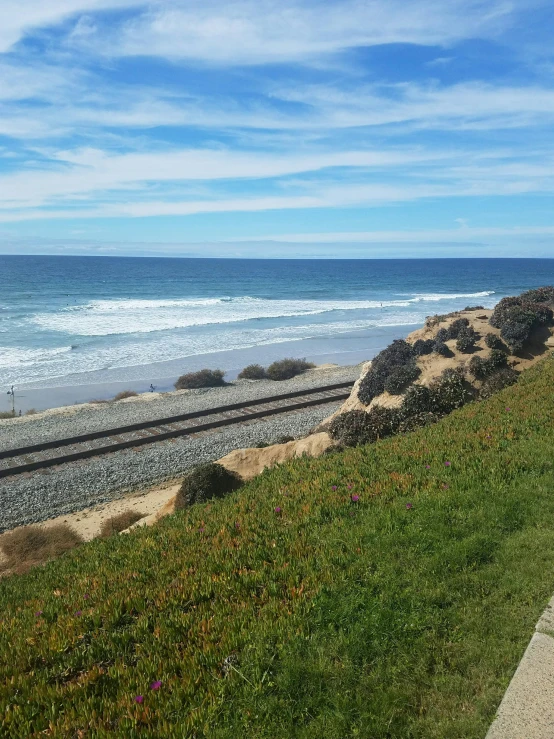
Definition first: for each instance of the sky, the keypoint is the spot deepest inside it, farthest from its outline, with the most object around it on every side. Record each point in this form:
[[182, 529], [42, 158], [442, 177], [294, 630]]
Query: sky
[[248, 128]]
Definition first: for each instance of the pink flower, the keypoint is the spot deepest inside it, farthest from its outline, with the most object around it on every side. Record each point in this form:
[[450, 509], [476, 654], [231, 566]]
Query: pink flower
[[508, 409], [427, 466], [447, 464], [350, 486], [201, 530], [445, 487], [38, 613], [237, 525], [86, 596], [277, 509], [409, 505], [333, 487], [354, 498], [156, 685], [139, 698], [78, 613]]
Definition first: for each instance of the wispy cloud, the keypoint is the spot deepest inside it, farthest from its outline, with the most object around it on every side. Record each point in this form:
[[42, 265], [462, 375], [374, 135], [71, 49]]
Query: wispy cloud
[[169, 109]]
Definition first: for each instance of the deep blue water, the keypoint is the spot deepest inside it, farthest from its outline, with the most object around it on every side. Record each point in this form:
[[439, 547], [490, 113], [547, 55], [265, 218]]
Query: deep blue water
[[60, 316]]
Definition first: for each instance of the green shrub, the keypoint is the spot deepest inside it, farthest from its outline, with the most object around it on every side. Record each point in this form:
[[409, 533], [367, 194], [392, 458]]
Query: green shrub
[[443, 334], [517, 317], [423, 346], [465, 342], [126, 394], [400, 378], [279, 440], [207, 481], [498, 381], [441, 348], [252, 372], [285, 369], [116, 524], [355, 428], [458, 327], [474, 307], [416, 421], [397, 354], [450, 391], [202, 378], [481, 368], [539, 295], [417, 400], [494, 342], [6, 414]]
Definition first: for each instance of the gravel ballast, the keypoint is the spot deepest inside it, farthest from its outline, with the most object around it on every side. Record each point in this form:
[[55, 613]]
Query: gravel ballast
[[74, 420], [81, 485]]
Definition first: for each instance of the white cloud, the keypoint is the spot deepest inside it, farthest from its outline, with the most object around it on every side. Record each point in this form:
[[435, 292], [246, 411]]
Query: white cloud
[[262, 31], [20, 17]]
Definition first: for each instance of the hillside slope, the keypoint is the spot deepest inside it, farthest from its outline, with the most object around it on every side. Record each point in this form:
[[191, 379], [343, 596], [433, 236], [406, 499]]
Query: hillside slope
[[384, 594]]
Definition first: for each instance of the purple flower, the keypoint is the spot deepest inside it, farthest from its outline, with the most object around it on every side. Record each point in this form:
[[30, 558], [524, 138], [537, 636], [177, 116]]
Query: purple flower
[[489, 436], [38, 613], [508, 409], [156, 685], [447, 464], [277, 509], [139, 698], [333, 487], [427, 466], [78, 613], [445, 487], [350, 486], [237, 525], [354, 498], [86, 596], [201, 530], [409, 505]]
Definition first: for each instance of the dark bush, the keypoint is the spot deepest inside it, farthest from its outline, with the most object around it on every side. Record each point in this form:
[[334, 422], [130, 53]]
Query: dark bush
[[252, 372], [474, 307], [6, 414], [423, 346], [443, 334], [203, 378], [458, 327], [517, 317], [354, 428], [207, 481], [481, 368], [417, 400], [401, 377], [494, 342], [449, 391], [411, 423], [441, 348], [126, 394], [498, 381], [397, 354], [116, 524], [539, 295], [466, 340], [285, 369]]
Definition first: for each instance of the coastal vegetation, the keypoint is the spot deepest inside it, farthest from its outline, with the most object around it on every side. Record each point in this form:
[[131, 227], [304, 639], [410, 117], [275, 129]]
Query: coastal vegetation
[[252, 372], [205, 482], [28, 546], [202, 378], [124, 394], [385, 591], [286, 369], [120, 522]]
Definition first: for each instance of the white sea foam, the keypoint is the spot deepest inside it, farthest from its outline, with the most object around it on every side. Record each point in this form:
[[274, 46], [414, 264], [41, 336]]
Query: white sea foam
[[109, 317], [14, 357]]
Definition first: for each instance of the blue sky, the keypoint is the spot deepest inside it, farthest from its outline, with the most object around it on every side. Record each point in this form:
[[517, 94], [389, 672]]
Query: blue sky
[[376, 128]]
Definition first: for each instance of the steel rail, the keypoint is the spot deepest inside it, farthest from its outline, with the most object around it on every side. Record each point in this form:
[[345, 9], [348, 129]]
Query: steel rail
[[29, 466]]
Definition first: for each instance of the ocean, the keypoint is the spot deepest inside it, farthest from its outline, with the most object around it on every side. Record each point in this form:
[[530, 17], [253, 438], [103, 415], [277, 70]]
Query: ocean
[[83, 320]]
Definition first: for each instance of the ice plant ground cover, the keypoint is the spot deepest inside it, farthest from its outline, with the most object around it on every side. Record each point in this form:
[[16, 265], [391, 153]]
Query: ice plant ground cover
[[396, 605]]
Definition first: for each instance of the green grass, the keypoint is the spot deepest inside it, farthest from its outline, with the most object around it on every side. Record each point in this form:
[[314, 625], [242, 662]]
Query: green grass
[[344, 619]]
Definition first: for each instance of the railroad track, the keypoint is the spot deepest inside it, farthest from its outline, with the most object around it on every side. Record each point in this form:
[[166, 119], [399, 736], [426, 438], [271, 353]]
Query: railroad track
[[62, 451]]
